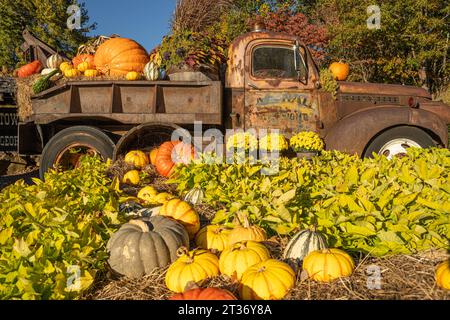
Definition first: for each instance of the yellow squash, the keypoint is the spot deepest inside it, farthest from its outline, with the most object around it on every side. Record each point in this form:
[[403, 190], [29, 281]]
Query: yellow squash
[[213, 237], [267, 280], [328, 265], [71, 73], [235, 260], [131, 177], [183, 213], [194, 266], [82, 67], [147, 194], [443, 275], [91, 73], [137, 158], [65, 66], [133, 76], [246, 232]]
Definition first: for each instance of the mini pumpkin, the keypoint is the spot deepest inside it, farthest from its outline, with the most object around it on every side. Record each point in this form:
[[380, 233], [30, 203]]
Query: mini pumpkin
[[204, 294], [71, 73], [170, 153], [137, 158], [328, 265], [213, 237], [246, 232], [443, 275], [192, 266], [91, 73], [267, 280], [303, 243], [65, 66], [84, 58], [82, 67], [163, 197], [133, 76], [235, 260], [131, 177], [340, 70], [194, 196], [183, 213], [147, 194], [142, 245], [153, 155], [151, 71]]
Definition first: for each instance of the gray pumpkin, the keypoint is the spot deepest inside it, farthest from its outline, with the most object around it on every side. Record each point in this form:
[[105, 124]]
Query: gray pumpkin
[[303, 243], [142, 245]]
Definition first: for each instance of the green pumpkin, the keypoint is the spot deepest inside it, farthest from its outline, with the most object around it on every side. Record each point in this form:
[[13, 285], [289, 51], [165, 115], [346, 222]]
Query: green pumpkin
[[142, 245]]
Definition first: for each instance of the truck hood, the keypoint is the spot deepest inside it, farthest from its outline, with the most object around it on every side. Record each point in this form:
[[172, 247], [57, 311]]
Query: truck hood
[[382, 89]]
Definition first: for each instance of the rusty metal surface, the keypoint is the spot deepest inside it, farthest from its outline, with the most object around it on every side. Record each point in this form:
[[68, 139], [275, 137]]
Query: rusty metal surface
[[382, 89], [131, 102], [439, 108], [353, 133]]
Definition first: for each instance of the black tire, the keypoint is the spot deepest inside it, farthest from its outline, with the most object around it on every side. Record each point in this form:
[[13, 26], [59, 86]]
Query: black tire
[[87, 136], [414, 134]]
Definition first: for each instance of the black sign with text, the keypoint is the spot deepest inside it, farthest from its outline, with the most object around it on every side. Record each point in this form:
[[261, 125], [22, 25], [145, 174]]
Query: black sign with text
[[9, 121]]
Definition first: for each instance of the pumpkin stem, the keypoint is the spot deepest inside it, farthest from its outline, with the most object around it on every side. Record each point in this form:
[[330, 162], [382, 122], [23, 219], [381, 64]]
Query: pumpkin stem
[[182, 251], [246, 224], [144, 227]]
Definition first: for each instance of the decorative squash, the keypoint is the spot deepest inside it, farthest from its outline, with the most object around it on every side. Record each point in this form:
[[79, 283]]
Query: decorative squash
[[204, 294], [71, 73], [151, 71], [171, 153], [44, 82], [267, 280], [47, 71], [183, 213], [82, 67], [163, 197], [235, 260], [147, 194], [213, 237], [131, 177], [194, 266], [91, 73], [194, 196], [246, 232], [82, 58], [29, 69], [54, 61], [303, 243], [65, 66], [133, 76], [136, 158], [328, 264], [443, 275], [153, 155], [140, 246], [340, 70], [118, 56]]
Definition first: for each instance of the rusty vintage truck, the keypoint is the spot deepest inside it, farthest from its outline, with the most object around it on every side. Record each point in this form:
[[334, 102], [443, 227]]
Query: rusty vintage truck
[[271, 82]]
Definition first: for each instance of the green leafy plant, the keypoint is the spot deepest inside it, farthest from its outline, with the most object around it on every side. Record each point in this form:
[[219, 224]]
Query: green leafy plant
[[329, 83], [53, 234]]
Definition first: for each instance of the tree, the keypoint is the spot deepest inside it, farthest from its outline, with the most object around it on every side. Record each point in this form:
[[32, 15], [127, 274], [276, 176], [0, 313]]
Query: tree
[[410, 47], [47, 19]]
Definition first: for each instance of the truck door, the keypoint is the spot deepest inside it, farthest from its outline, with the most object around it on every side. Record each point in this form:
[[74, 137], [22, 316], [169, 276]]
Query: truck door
[[278, 93]]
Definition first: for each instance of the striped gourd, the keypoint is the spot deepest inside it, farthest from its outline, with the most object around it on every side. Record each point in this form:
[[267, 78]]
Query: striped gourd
[[303, 243]]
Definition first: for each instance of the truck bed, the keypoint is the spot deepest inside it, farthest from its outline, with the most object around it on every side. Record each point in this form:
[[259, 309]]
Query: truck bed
[[131, 102]]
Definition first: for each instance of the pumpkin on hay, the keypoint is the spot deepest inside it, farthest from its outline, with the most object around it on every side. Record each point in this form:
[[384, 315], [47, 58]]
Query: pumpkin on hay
[[170, 153], [303, 243], [183, 213], [29, 69], [140, 246], [246, 232], [136, 158], [213, 237], [153, 155], [147, 194], [328, 265], [87, 59], [131, 177], [204, 294], [91, 73], [340, 70], [54, 61], [191, 266], [235, 260], [118, 56], [267, 280], [443, 275]]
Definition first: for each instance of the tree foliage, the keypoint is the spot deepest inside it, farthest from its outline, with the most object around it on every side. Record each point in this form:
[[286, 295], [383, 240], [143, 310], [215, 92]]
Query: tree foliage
[[47, 19]]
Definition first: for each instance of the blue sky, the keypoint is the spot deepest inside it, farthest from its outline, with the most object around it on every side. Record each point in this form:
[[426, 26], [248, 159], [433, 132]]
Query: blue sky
[[145, 21]]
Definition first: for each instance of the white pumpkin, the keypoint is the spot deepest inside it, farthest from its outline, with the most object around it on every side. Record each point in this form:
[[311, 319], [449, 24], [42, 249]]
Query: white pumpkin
[[303, 243], [54, 61], [151, 71]]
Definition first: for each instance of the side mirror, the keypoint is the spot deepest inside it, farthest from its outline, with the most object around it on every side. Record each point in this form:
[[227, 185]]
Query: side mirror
[[300, 65]]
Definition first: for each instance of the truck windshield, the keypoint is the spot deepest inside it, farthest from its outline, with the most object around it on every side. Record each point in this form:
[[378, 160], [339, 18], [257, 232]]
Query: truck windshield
[[274, 62]]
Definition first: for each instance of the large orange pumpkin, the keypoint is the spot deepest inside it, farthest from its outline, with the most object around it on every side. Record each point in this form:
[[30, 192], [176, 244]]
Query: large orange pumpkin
[[340, 70], [118, 56], [89, 58], [171, 153], [204, 294], [29, 69]]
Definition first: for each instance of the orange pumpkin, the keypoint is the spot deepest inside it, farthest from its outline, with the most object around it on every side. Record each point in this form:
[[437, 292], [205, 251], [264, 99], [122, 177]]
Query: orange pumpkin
[[118, 56], [204, 294], [340, 70], [29, 69], [79, 59], [171, 153], [153, 154]]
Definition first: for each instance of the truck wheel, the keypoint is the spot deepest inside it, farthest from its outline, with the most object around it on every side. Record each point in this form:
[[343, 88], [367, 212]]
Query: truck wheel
[[66, 147], [394, 142]]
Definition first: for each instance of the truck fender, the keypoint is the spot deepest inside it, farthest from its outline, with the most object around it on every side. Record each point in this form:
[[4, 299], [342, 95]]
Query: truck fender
[[144, 136], [353, 133]]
